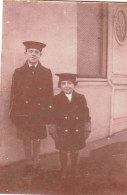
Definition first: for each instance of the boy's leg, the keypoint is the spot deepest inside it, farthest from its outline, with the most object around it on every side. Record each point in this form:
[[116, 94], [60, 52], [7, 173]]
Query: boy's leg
[[27, 150], [63, 155], [36, 152], [74, 161]]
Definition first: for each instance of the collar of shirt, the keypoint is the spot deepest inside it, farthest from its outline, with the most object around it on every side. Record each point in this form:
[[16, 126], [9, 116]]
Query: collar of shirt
[[69, 96], [30, 65]]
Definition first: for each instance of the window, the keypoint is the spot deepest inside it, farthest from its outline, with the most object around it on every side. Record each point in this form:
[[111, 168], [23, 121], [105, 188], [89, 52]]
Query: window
[[91, 40]]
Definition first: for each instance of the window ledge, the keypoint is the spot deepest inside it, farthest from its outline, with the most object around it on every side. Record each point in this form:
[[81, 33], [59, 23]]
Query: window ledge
[[91, 80]]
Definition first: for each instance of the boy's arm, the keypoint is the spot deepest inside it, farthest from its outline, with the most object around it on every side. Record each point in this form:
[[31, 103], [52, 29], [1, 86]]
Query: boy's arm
[[87, 118], [87, 129], [49, 99], [12, 95], [85, 109], [50, 84]]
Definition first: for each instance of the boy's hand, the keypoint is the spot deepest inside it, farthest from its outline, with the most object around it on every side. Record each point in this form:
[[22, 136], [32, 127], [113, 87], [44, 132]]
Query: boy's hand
[[54, 136], [51, 128], [88, 126], [52, 131]]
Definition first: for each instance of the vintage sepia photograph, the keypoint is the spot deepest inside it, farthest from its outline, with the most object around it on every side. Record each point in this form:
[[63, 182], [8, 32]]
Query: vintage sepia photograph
[[63, 98]]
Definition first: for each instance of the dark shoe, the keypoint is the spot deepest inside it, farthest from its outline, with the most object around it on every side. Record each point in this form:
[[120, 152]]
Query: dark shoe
[[28, 170], [36, 166], [63, 174], [75, 173], [37, 170]]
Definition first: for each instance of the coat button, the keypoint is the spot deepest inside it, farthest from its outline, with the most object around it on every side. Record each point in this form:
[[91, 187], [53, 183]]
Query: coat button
[[66, 117], [76, 130], [66, 130], [40, 88], [77, 117], [38, 104], [32, 72], [26, 101], [50, 106]]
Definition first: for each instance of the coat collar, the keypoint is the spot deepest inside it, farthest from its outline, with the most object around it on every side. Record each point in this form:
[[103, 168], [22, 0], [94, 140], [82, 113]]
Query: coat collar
[[62, 94], [39, 66]]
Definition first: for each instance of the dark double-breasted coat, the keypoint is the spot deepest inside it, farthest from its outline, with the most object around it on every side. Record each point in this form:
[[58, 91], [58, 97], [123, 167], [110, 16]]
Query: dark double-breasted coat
[[70, 119], [30, 100]]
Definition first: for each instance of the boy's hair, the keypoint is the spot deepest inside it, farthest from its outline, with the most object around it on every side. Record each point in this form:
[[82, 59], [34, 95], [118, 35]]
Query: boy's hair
[[74, 82], [67, 77]]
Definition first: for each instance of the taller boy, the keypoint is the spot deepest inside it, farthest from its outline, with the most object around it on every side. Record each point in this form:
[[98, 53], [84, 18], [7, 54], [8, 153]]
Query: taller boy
[[32, 88]]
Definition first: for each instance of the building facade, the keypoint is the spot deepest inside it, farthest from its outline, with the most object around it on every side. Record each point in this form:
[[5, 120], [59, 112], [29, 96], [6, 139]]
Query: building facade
[[84, 38]]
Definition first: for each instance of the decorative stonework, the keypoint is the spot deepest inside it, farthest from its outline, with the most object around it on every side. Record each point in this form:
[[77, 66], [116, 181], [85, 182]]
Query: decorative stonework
[[120, 26]]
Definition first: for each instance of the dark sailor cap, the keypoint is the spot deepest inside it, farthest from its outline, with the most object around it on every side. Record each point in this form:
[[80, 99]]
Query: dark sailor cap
[[34, 44], [67, 77]]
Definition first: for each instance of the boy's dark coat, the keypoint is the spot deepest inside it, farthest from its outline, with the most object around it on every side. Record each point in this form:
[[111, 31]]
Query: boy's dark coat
[[70, 118], [30, 95]]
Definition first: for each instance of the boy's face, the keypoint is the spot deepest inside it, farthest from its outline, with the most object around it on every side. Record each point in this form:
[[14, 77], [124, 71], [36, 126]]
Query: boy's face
[[33, 55], [67, 86]]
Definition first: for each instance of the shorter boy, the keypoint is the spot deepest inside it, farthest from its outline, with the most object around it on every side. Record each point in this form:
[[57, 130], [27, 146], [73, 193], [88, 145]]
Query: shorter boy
[[72, 122]]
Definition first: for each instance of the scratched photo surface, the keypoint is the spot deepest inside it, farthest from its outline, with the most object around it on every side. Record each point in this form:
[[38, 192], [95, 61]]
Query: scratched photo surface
[[63, 98]]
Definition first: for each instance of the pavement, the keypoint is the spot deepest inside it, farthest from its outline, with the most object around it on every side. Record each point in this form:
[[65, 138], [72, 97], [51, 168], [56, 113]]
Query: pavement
[[102, 167]]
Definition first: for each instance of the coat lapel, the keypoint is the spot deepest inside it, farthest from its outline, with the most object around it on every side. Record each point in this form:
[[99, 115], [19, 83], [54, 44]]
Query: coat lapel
[[64, 98], [73, 97]]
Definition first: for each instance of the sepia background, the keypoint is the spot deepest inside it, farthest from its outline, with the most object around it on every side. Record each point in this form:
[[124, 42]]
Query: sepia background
[[84, 38]]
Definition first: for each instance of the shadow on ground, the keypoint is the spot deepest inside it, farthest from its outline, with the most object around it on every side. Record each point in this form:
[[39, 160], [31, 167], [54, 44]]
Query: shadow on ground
[[103, 173]]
